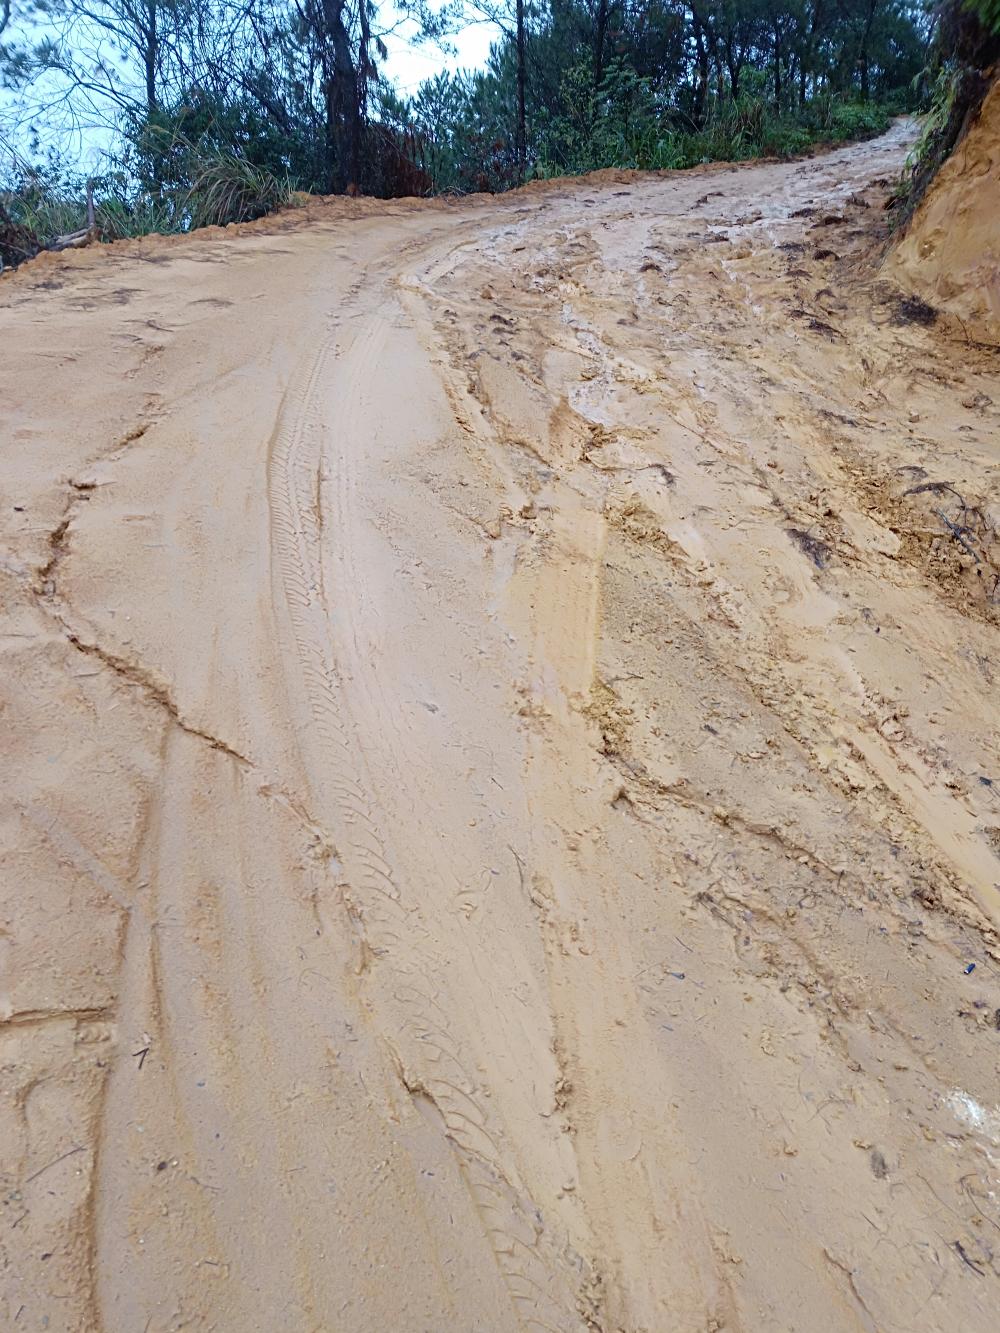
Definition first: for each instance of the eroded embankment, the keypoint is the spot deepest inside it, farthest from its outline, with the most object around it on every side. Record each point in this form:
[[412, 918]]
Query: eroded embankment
[[950, 253]]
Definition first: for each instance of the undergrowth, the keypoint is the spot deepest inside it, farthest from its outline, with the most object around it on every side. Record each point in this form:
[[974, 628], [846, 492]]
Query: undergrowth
[[734, 132], [171, 183], [204, 186], [963, 65]]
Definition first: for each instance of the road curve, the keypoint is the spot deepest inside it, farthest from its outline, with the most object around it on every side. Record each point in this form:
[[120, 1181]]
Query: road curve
[[501, 785]]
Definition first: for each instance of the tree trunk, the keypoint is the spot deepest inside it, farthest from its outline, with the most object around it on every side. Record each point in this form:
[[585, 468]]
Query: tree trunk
[[150, 52], [735, 68], [720, 82], [365, 71], [863, 54], [521, 135], [701, 87], [342, 101], [777, 71], [600, 36], [808, 54]]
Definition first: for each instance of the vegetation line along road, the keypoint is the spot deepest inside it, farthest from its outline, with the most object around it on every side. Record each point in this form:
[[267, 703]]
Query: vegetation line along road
[[212, 111]]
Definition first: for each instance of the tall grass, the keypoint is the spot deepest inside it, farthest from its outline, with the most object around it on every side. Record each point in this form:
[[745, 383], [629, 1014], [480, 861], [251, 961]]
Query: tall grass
[[732, 132], [227, 188], [208, 187]]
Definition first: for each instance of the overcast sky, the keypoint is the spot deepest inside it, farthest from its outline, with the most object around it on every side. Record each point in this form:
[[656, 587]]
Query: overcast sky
[[409, 64]]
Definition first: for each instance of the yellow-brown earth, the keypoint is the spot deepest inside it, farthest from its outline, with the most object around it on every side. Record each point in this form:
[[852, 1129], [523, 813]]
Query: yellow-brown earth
[[501, 784]]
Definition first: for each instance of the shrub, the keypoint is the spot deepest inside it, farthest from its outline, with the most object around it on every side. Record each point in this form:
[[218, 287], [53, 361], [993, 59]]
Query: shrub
[[858, 120], [206, 186], [225, 187], [962, 67]]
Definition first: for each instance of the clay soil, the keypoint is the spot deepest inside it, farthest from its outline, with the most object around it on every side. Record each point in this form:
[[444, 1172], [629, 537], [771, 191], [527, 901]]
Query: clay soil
[[501, 771]]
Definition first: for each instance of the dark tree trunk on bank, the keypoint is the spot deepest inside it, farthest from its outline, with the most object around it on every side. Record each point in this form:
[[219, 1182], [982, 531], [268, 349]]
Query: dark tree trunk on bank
[[521, 134]]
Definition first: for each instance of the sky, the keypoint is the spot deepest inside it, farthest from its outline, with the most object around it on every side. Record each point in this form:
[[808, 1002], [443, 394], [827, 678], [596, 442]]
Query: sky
[[409, 64]]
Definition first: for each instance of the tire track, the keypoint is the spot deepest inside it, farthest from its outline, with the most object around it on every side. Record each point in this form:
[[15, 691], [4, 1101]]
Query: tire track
[[367, 884]]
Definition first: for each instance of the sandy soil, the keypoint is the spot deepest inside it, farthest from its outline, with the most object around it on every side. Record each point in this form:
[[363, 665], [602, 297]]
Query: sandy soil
[[501, 787], [950, 254]]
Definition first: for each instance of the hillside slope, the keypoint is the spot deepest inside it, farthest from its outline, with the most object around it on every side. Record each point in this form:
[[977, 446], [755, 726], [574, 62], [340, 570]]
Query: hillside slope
[[501, 773], [950, 254]]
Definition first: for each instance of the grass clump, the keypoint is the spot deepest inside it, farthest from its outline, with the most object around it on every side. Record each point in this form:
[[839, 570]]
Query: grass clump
[[194, 186]]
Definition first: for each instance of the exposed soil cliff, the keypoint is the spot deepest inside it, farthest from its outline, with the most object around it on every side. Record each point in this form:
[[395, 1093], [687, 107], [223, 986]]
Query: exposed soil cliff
[[950, 254]]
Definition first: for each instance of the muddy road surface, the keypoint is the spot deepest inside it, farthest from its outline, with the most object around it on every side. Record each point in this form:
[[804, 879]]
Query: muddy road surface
[[501, 791]]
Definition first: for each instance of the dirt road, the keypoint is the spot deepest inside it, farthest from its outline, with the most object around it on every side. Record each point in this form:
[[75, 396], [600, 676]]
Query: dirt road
[[501, 783]]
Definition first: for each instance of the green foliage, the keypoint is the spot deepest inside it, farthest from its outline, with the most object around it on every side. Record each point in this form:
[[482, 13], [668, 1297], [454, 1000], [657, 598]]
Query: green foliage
[[672, 86], [957, 78], [37, 203], [213, 108], [626, 123], [839, 121], [988, 14], [169, 147], [225, 187], [208, 186]]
